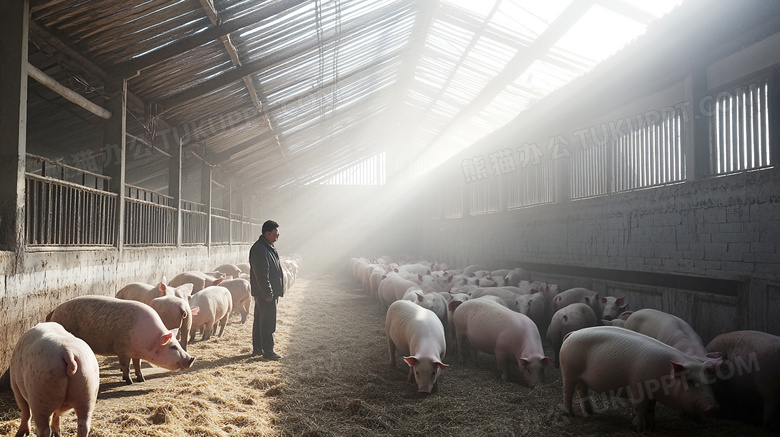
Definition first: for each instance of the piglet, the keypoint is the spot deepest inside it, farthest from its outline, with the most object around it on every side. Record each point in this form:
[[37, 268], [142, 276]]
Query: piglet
[[671, 330], [51, 373], [418, 335], [125, 328], [141, 292], [568, 319], [175, 313]]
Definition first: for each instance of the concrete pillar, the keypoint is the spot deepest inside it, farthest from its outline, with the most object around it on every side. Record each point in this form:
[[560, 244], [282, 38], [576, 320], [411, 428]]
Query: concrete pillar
[[695, 136], [14, 16], [205, 197], [174, 187], [114, 130]]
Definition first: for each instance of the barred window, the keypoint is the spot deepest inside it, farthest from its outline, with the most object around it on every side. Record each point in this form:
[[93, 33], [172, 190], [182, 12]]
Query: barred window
[[739, 129], [533, 184]]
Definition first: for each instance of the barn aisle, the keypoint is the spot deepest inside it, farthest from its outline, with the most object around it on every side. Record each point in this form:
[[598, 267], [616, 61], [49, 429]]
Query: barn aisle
[[335, 380]]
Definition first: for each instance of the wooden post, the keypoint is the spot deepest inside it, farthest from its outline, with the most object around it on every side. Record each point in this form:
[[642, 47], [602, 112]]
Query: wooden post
[[114, 140], [174, 187], [14, 22]]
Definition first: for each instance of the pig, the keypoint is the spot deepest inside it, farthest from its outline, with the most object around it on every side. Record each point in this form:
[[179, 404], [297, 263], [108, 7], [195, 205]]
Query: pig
[[510, 295], [495, 299], [244, 267], [125, 328], [231, 270], [613, 307], [568, 319], [175, 313], [418, 335], [51, 372], [532, 305], [670, 330], [430, 301], [579, 294], [492, 328], [240, 292], [469, 271], [629, 364], [199, 280], [748, 384], [168, 309], [215, 304], [392, 288], [374, 280], [141, 292], [515, 276], [620, 321]]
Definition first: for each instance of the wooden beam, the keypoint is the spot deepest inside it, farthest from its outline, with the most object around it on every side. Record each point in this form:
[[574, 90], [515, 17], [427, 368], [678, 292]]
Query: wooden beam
[[250, 68], [133, 66], [67, 93]]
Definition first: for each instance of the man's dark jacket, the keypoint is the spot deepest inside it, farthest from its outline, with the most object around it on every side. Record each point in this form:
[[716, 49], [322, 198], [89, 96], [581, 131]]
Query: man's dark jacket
[[267, 277]]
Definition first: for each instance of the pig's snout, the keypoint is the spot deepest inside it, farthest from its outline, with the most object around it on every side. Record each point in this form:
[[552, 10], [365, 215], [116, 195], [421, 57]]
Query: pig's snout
[[711, 408], [187, 362], [608, 317]]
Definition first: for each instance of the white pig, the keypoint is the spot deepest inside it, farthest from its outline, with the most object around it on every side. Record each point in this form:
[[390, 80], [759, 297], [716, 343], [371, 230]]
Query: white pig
[[670, 330], [125, 328], [418, 335], [52, 372], [749, 377], [240, 291], [215, 305], [175, 313], [141, 292], [613, 307], [229, 270], [199, 280], [579, 294], [628, 364], [497, 330], [568, 319]]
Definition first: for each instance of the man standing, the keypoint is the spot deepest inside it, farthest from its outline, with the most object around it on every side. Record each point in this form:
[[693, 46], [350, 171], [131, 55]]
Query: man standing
[[267, 282]]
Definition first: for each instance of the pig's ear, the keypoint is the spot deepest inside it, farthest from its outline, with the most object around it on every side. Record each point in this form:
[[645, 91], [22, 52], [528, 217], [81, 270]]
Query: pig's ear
[[677, 368], [195, 311], [622, 303], [161, 287], [547, 361], [165, 280], [441, 365], [218, 281], [603, 300], [175, 332], [523, 361], [186, 288], [411, 361], [419, 297], [166, 338]]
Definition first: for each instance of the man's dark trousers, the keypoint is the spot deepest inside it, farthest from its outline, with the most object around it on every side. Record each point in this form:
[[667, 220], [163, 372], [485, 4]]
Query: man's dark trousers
[[264, 327]]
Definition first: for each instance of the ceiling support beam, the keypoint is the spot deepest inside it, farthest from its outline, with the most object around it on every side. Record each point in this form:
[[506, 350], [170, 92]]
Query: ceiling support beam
[[133, 66], [255, 67], [67, 93]]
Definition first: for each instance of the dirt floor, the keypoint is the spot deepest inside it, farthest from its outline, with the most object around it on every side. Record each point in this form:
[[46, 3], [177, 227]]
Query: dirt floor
[[334, 380]]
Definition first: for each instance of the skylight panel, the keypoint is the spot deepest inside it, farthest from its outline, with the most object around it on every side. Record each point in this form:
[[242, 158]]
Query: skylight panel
[[600, 33]]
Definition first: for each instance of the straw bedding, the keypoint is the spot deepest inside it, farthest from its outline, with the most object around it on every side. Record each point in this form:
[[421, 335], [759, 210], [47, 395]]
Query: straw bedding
[[334, 380]]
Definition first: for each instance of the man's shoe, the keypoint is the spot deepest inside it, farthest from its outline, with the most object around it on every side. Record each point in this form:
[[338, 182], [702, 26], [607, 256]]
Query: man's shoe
[[272, 357]]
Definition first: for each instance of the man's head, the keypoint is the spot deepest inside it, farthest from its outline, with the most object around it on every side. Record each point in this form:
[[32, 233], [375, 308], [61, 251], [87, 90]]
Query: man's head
[[271, 231]]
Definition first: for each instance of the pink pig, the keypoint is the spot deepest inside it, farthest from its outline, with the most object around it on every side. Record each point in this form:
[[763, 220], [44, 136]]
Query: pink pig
[[51, 373], [497, 330], [125, 328]]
